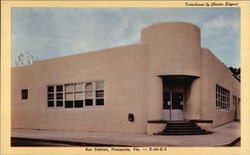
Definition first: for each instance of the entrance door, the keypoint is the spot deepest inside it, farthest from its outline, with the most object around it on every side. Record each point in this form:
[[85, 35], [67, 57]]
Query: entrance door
[[173, 105]]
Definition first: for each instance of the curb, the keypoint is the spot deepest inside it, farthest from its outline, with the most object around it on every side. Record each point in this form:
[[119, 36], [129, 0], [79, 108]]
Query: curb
[[74, 144], [232, 143]]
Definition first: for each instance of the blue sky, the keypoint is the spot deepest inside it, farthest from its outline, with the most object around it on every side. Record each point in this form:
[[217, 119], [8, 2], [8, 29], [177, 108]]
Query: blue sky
[[54, 32]]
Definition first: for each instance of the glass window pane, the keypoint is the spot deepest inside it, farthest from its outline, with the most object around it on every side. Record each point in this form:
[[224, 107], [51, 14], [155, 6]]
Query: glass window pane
[[88, 102], [24, 94], [50, 88], [100, 93], [50, 103], [89, 94], [59, 103], [79, 87], [69, 87], [78, 103], [68, 104], [59, 96], [59, 88], [69, 96], [99, 102], [79, 95], [100, 85], [89, 86], [50, 96]]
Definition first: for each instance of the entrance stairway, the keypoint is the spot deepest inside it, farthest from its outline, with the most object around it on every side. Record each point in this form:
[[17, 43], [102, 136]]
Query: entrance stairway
[[182, 128]]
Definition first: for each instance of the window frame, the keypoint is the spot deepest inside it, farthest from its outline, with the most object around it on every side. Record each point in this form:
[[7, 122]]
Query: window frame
[[236, 101], [222, 98], [24, 94], [74, 97]]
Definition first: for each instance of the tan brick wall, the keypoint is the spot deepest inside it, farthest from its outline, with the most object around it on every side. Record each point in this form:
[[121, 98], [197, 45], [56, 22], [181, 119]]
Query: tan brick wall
[[122, 69], [214, 72]]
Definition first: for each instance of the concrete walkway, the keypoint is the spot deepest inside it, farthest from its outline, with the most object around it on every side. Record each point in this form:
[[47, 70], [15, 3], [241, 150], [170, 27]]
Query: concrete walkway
[[221, 136]]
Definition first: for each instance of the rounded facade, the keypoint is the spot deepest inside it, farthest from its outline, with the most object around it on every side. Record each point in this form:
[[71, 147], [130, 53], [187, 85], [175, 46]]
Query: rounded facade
[[173, 48]]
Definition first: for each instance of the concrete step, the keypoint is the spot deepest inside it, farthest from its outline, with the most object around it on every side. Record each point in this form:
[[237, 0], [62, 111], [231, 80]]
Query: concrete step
[[184, 133], [181, 124], [182, 128]]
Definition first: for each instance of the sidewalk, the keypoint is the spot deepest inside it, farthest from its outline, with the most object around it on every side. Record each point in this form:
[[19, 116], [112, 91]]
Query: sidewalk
[[221, 136]]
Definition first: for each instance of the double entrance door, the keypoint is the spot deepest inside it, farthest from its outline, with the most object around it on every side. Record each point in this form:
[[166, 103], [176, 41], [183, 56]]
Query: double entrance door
[[173, 103]]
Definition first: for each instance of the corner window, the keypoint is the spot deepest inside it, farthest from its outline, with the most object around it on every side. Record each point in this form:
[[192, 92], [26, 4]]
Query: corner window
[[76, 95], [24, 94], [222, 98]]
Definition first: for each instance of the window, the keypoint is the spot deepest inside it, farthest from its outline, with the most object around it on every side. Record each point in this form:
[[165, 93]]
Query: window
[[89, 94], [222, 98], [76, 95], [59, 96], [99, 93], [236, 101], [24, 94], [50, 96], [69, 96]]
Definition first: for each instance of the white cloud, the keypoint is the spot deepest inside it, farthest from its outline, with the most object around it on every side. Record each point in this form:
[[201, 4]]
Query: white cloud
[[223, 22], [53, 32]]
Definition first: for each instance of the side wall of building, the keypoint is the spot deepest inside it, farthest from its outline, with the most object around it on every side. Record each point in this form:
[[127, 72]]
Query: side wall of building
[[123, 71], [215, 73]]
